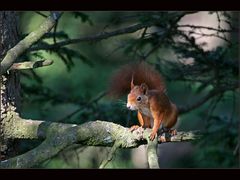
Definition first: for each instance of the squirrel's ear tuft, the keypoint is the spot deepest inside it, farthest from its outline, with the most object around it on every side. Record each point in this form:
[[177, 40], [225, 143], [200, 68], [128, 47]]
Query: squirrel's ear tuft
[[132, 85], [144, 88]]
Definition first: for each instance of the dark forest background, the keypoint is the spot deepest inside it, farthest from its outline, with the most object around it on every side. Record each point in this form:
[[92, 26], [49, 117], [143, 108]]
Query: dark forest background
[[196, 52]]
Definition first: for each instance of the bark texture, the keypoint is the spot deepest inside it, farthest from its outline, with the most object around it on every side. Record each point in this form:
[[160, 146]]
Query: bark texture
[[10, 85], [58, 136]]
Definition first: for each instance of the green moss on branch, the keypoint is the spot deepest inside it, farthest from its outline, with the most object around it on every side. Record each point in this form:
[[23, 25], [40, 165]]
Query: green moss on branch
[[58, 136]]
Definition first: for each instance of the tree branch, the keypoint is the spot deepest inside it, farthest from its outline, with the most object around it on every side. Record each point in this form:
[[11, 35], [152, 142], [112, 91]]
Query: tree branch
[[95, 37], [58, 136], [205, 27], [28, 41], [152, 153], [94, 100], [212, 35], [31, 64], [106, 35], [200, 102], [41, 14], [109, 156]]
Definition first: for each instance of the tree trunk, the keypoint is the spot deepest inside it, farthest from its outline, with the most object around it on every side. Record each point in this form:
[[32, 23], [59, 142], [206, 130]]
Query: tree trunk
[[10, 84]]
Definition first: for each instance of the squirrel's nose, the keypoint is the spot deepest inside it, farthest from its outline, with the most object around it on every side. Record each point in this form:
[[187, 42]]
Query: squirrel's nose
[[128, 106]]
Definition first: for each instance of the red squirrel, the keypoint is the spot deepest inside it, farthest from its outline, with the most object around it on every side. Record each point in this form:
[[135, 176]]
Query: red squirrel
[[146, 94]]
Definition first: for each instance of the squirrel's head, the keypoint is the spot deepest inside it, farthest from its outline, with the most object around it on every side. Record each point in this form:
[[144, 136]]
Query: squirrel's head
[[137, 96]]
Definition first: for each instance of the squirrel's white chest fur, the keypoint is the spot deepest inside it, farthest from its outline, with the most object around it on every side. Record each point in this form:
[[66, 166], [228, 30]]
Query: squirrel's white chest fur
[[146, 111]]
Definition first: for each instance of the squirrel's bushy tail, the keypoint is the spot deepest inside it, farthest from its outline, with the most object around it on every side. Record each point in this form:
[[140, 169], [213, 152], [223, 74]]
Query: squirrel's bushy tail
[[120, 82]]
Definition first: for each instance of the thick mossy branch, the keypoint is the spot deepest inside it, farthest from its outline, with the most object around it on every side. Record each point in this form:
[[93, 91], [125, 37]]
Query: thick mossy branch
[[28, 41], [58, 136]]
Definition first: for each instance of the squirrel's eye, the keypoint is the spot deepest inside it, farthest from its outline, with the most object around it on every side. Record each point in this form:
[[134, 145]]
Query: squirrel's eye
[[139, 98]]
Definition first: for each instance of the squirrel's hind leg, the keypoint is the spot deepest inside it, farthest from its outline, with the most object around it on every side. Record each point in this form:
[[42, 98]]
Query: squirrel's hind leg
[[171, 132], [165, 134]]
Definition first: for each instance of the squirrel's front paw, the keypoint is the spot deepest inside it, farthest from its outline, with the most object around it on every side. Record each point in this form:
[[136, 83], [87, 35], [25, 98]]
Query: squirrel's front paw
[[140, 130], [133, 128], [152, 136]]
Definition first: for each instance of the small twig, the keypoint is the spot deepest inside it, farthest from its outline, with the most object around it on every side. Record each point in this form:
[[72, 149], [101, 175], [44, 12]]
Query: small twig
[[211, 94], [213, 106], [31, 65], [233, 108], [65, 158], [152, 50], [236, 150], [54, 33], [98, 97], [121, 46], [213, 35], [78, 159], [109, 156], [144, 32], [41, 14], [205, 27], [219, 20]]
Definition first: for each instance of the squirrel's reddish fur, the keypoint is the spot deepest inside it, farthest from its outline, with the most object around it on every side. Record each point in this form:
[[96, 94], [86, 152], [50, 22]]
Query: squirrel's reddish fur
[[146, 94], [141, 72]]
